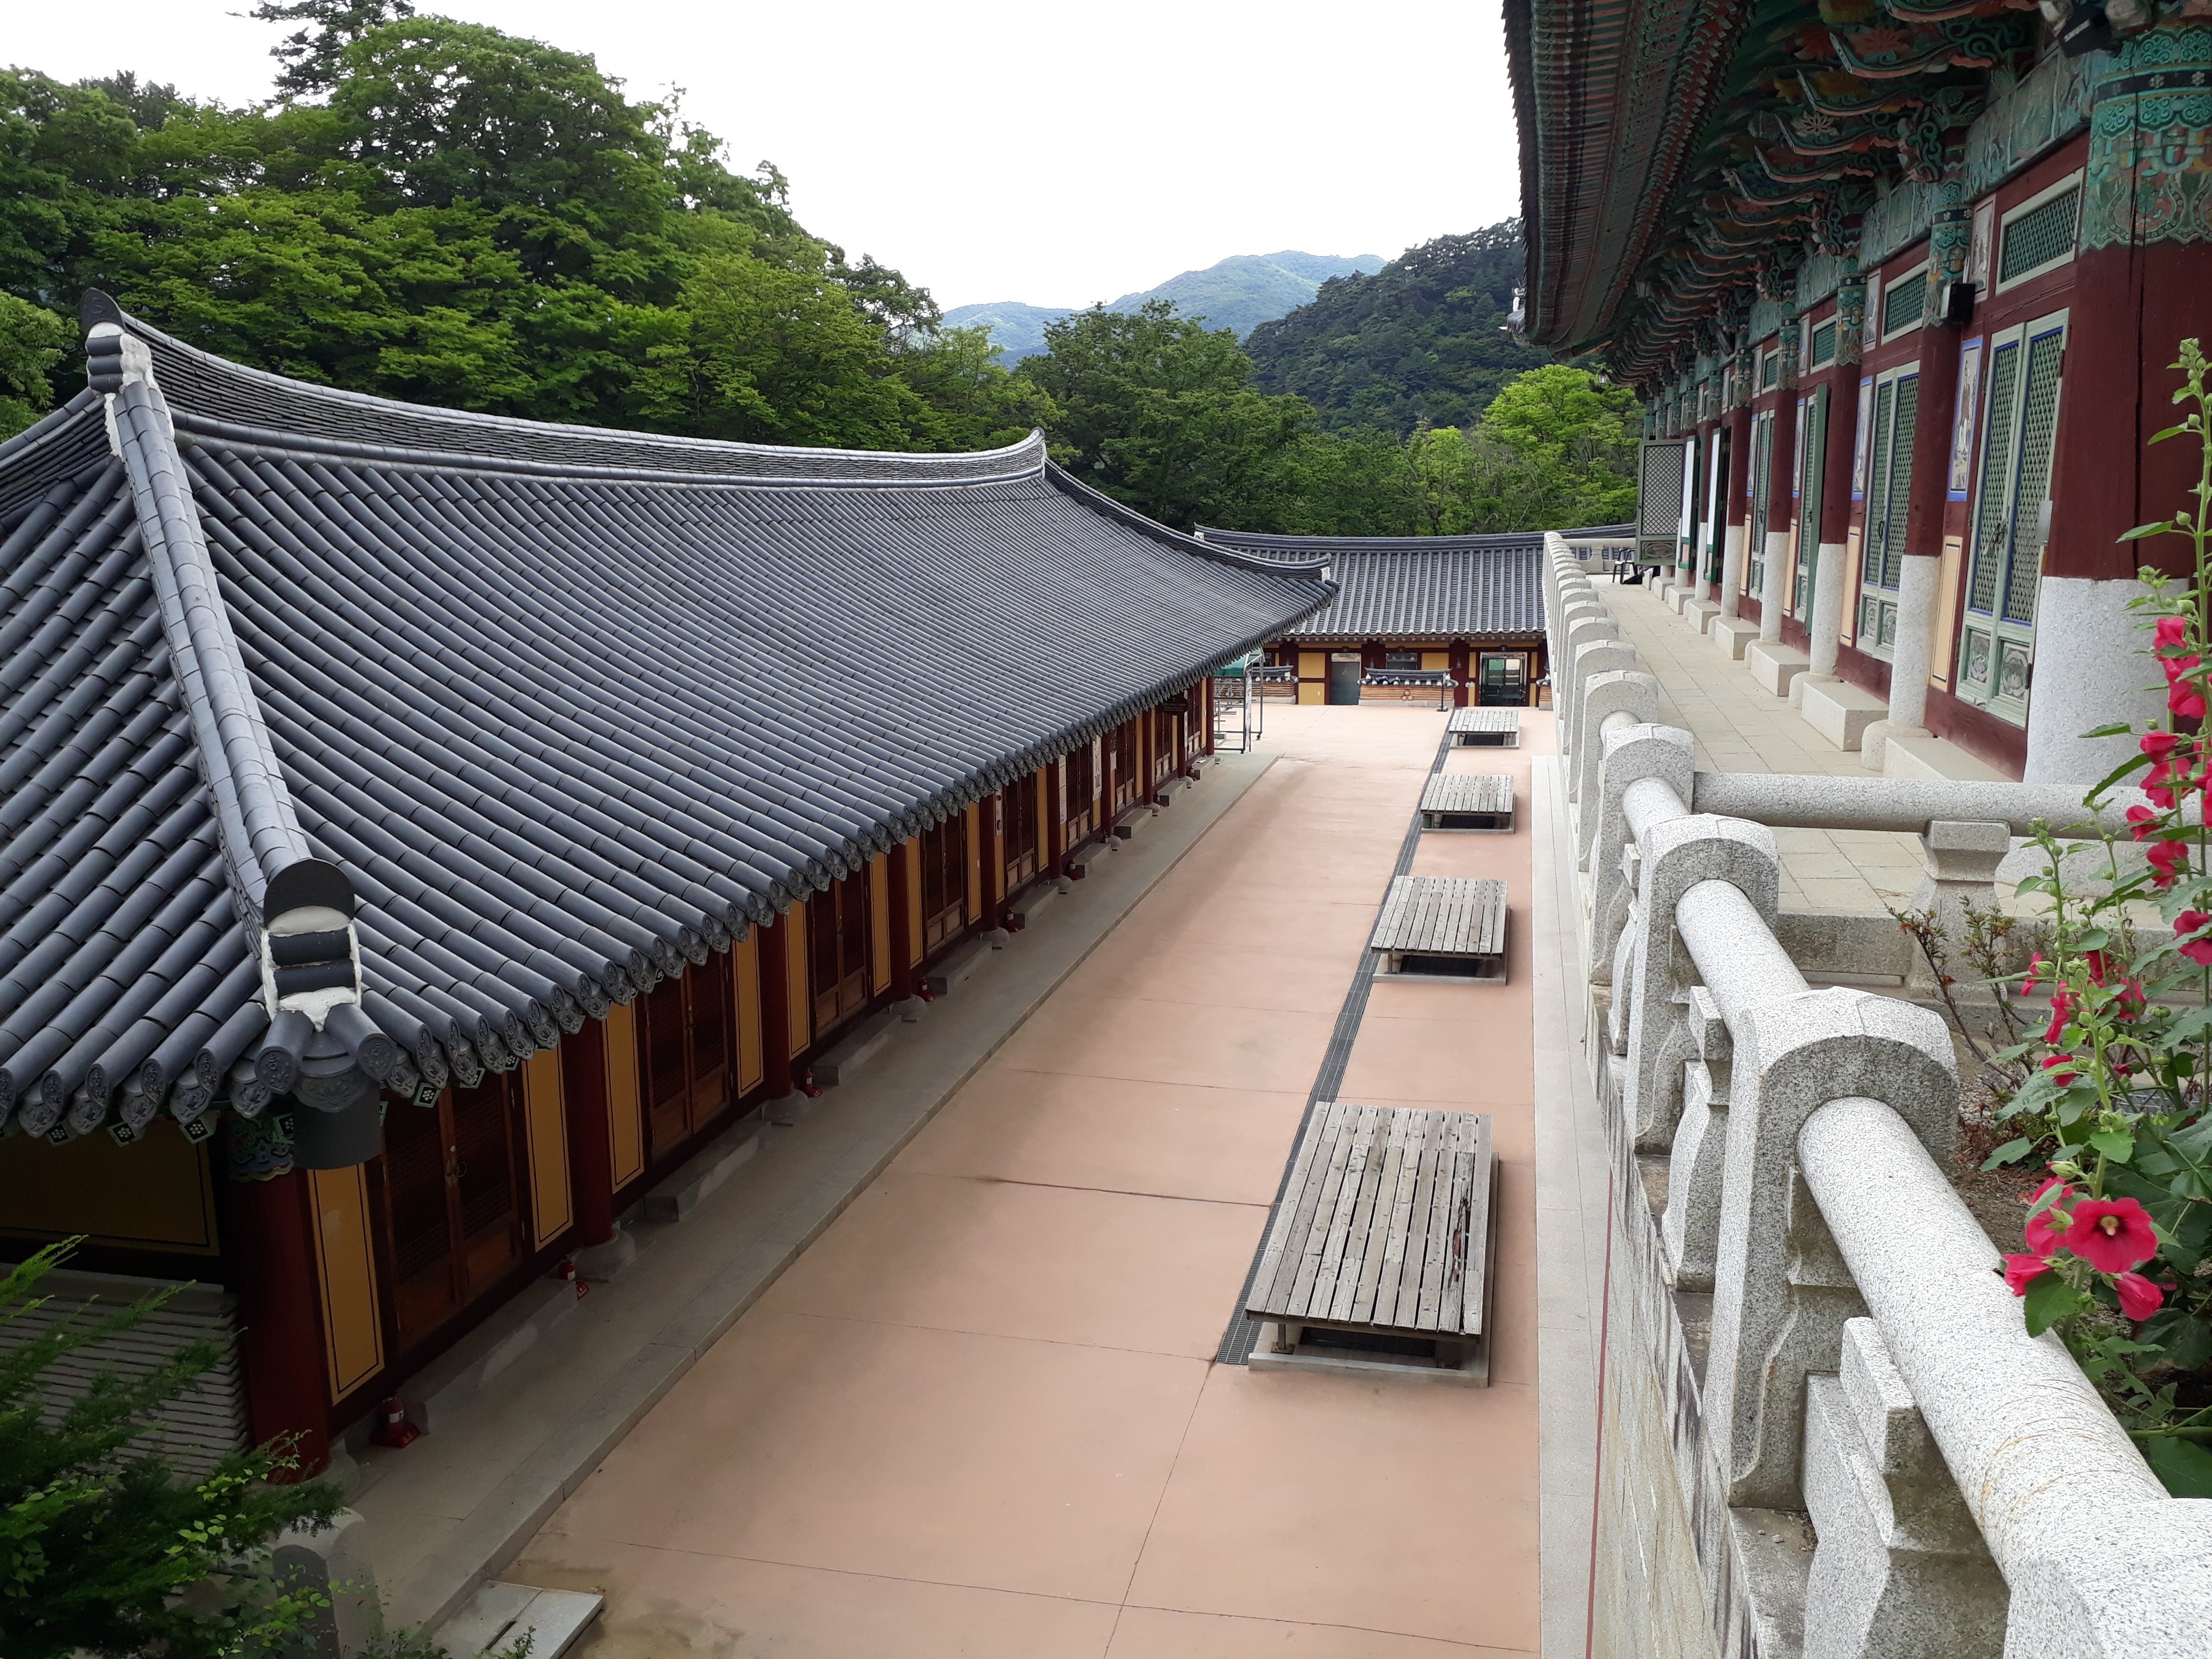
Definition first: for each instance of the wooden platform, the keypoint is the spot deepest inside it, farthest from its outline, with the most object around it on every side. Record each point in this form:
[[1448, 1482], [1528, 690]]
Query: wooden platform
[[1379, 1257], [1485, 728], [1443, 927], [1467, 800]]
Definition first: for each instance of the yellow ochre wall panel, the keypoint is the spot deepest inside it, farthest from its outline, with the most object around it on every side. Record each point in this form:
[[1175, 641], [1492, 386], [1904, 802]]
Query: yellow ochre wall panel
[[550, 1210], [879, 922], [802, 989], [625, 1131], [353, 1334], [745, 963], [156, 1191], [911, 852], [975, 864], [1435, 662]]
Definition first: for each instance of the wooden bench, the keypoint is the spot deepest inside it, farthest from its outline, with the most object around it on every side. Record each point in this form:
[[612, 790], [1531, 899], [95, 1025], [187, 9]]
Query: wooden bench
[[1379, 1259], [1467, 800], [1485, 728], [1443, 927]]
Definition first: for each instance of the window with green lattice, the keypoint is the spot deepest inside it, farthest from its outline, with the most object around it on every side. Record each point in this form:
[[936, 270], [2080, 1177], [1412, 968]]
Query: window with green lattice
[[1812, 466], [1889, 484], [2039, 237], [2021, 417], [1770, 371], [1824, 344], [1904, 303], [1762, 495]]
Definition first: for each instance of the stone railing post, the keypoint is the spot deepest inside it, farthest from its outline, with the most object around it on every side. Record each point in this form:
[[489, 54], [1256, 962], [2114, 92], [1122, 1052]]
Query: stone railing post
[[1962, 860], [1666, 754], [1673, 857], [1697, 1160], [1780, 1294], [1611, 698], [1901, 1571]]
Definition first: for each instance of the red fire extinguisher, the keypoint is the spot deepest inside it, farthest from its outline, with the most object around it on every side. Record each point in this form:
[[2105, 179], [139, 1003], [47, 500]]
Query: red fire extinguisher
[[395, 1431]]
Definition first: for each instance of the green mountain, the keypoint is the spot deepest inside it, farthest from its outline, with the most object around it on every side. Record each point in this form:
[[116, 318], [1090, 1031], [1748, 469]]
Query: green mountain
[[1422, 339], [1240, 293]]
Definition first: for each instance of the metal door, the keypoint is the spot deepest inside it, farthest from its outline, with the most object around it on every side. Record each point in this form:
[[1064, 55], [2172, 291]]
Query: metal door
[[1344, 677]]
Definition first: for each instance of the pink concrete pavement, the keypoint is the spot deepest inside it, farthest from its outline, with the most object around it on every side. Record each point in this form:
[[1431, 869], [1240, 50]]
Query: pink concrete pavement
[[980, 1415]]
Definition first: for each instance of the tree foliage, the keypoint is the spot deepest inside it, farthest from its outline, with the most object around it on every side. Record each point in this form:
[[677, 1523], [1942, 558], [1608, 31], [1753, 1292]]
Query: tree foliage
[[1422, 340], [99, 1539]]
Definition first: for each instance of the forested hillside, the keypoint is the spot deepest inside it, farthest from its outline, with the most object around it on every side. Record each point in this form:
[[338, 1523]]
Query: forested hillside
[[1422, 340], [441, 212]]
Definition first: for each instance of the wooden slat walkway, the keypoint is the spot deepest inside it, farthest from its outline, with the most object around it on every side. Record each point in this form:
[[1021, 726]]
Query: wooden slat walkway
[[1442, 916], [1468, 791], [1498, 728], [1384, 1224]]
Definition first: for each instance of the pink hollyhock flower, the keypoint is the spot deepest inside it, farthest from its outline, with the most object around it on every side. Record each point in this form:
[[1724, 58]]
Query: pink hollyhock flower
[[2198, 950], [2171, 631], [2139, 1297], [2158, 746], [2052, 1062], [2112, 1234], [2046, 1228], [2034, 973], [2167, 859], [2143, 822], [2061, 1006], [2186, 698], [2021, 1271]]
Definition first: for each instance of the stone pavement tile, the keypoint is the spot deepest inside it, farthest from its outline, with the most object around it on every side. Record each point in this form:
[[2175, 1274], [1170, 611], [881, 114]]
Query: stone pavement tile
[[1158, 1633], [1469, 1061], [1176, 1140], [1007, 1259], [1252, 976], [1029, 1466], [1280, 1508], [1847, 897], [1171, 1042], [684, 1604]]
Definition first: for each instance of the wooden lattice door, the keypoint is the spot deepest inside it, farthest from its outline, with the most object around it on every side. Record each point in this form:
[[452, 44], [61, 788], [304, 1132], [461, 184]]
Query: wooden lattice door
[[453, 1199]]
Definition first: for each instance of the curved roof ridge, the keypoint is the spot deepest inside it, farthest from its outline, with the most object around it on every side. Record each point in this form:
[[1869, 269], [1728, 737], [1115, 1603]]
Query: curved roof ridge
[[203, 388], [1257, 539], [1104, 505]]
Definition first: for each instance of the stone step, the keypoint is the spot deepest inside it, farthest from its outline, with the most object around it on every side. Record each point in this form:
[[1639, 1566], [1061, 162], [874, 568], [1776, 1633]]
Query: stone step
[[956, 967], [860, 1046], [502, 1615], [1028, 903], [704, 1170]]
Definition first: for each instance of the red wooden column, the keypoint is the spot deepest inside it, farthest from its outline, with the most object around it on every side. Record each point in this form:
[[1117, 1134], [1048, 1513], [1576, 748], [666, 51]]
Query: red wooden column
[[1055, 818], [1919, 580], [2139, 284], [1206, 713], [1737, 485], [591, 1152], [1461, 668], [268, 1265], [994, 859], [775, 1008], [902, 898], [1831, 514], [1774, 592]]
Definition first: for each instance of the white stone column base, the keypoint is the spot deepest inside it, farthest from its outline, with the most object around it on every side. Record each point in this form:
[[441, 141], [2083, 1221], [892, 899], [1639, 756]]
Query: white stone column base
[[2092, 666]]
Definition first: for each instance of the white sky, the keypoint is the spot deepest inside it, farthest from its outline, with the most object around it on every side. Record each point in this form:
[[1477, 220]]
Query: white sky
[[998, 151]]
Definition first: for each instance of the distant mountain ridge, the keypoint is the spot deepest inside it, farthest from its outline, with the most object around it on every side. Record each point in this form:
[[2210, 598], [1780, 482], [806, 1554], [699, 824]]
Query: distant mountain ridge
[[1239, 293]]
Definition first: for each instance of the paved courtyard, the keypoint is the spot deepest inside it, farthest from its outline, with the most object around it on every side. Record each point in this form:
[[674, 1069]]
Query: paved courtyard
[[1740, 727], [981, 1414]]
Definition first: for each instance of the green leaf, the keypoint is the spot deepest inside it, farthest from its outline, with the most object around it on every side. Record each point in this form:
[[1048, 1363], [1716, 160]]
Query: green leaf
[[2011, 1152], [2115, 1144], [2116, 729], [2184, 1340], [2050, 1298], [2143, 530], [2134, 763], [2094, 938], [2184, 1466], [2171, 432]]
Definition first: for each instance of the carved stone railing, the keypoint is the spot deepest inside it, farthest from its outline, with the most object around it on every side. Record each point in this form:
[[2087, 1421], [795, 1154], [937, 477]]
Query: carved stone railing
[[1809, 1341]]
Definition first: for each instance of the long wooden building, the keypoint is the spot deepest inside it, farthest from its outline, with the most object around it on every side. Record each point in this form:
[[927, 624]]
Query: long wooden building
[[1901, 284], [1471, 607], [419, 831]]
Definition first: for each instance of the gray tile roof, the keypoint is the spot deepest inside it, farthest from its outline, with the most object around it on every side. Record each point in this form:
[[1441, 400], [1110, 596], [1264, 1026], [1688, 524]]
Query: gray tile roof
[[1414, 588], [437, 734]]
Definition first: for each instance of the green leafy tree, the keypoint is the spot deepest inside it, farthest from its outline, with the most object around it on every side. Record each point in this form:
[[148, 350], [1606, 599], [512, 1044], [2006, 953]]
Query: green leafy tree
[[1157, 410], [32, 341], [98, 1539], [310, 54], [1555, 449]]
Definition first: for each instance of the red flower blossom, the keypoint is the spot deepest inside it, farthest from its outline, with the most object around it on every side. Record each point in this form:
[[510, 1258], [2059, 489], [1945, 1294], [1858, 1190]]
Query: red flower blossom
[[2171, 631], [2158, 746], [2144, 822], [2167, 859], [2046, 1228], [2034, 973], [2061, 1006], [2021, 1271], [2184, 697], [2139, 1297], [2198, 950], [2112, 1234], [2052, 1062]]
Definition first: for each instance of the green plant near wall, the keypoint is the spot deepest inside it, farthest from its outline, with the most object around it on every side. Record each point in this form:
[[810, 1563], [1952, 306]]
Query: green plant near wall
[[103, 1549], [2109, 1096]]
